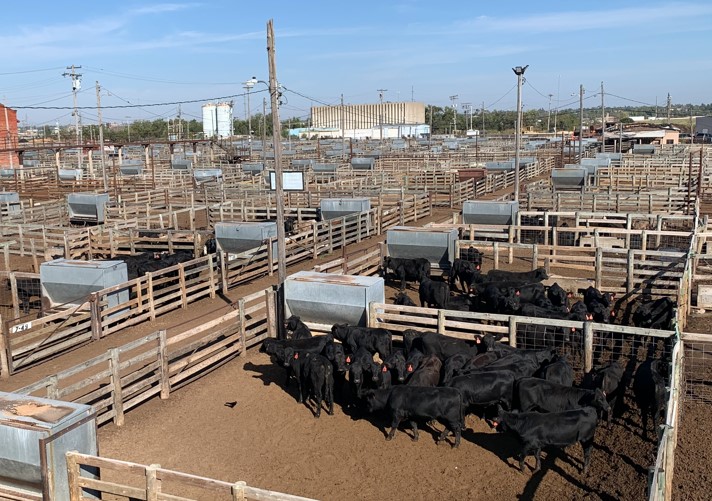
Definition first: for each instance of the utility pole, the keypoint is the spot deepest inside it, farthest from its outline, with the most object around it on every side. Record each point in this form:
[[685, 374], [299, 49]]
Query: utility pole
[[279, 190], [380, 110], [483, 118], [548, 120], [264, 130], [580, 145], [76, 85], [101, 137], [468, 107], [454, 113], [603, 121], [430, 136], [519, 71], [248, 86], [343, 131], [669, 105]]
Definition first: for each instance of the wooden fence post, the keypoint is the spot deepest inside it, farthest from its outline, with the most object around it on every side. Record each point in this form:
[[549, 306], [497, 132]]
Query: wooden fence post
[[630, 282], [495, 256], [95, 315], [238, 491], [183, 292], [73, 475], [512, 332], [441, 322], [271, 313], [153, 484], [15, 298], [117, 394], [243, 320], [149, 291], [535, 256], [211, 276], [588, 347], [371, 320], [223, 270], [4, 351], [599, 268], [163, 364], [315, 226], [53, 387]]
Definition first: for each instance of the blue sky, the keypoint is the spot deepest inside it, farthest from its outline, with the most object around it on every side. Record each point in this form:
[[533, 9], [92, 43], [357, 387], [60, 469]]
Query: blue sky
[[151, 52]]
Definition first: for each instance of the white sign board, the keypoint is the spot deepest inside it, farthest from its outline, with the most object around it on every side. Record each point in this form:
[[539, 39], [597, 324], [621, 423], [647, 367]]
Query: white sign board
[[291, 180]]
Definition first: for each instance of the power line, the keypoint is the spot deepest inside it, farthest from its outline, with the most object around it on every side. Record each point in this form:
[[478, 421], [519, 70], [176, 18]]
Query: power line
[[149, 79], [32, 71]]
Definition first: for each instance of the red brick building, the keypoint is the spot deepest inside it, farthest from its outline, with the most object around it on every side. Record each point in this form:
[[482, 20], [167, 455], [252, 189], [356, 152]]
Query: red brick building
[[8, 137]]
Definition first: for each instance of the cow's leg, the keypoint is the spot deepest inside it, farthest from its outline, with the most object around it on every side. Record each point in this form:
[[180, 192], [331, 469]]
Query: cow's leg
[[537, 455], [394, 426], [522, 457], [318, 397], [299, 386], [587, 447], [414, 426]]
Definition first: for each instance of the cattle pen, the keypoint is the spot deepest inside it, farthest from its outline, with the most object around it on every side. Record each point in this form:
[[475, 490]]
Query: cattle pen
[[615, 238]]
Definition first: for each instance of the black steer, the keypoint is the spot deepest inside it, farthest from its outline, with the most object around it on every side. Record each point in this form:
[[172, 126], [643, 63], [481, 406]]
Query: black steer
[[298, 328], [608, 379], [546, 396], [559, 371], [434, 294], [525, 276], [428, 373], [464, 272], [375, 340], [656, 314], [411, 270], [395, 363], [534, 431], [414, 402], [650, 393], [485, 388]]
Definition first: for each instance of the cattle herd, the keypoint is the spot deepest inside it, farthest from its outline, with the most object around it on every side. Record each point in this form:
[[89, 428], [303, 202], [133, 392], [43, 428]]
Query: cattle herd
[[430, 377]]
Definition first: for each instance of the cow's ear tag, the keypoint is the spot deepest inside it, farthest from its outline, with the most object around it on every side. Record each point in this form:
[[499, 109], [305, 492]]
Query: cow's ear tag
[[348, 360], [296, 356], [384, 369]]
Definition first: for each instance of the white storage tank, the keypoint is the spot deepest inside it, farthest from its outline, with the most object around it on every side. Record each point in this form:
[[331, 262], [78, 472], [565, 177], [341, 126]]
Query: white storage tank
[[332, 208], [437, 245], [87, 207], [489, 212], [217, 119], [35, 434], [69, 282], [327, 298]]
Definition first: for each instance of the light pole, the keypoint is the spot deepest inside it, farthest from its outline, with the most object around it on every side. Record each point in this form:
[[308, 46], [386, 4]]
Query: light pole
[[548, 120], [465, 107], [519, 71], [454, 113], [380, 110], [248, 86], [128, 128], [580, 145]]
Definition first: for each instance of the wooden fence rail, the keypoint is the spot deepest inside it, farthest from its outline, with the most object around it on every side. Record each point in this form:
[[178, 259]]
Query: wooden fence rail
[[119, 478]]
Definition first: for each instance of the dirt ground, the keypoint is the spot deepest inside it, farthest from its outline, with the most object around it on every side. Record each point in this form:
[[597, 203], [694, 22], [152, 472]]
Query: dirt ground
[[272, 442]]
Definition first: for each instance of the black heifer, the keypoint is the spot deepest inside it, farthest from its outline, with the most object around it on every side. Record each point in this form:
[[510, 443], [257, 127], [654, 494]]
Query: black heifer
[[414, 402], [434, 294], [656, 314], [534, 431], [373, 339], [608, 379], [485, 388], [524, 276], [546, 396], [472, 255], [428, 373], [559, 371], [403, 299], [362, 369], [649, 391], [463, 272], [558, 296], [445, 346], [411, 270], [298, 328], [395, 363]]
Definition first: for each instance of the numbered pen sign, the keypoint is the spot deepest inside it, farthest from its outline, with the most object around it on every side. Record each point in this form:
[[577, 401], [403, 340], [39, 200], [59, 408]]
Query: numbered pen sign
[[291, 181], [20, 327]]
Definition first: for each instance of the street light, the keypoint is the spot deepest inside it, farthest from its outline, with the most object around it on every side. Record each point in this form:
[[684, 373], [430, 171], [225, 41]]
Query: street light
[[248, 86], [519, 71], [454, 113]]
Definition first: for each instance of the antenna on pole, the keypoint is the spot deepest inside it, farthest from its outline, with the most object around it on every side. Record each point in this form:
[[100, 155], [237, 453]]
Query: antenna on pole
[[380, 109]]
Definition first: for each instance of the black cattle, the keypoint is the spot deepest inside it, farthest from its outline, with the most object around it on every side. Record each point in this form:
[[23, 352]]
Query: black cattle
[[27, 288], [445, 346], [415, 357], [411, 270], [600, 305], [518, 365], [485, 388], [534, 431], [428, 373], [395, 363], [297, 362], [558, 371], [524, 276], [298, 328], [528, 293], [650, 393], [275, 349], [319, 373], [403, 299], [362, 369], [472, 255], [479, 361], [546, 396], [414, 402], [334, 352], [433, 294], [210, 246], [494, 301], [608, 379], [374, 339], [384, 380], [657, 314], [558, 296], [314, 344], [454, 364], [464, 272], [413, 339]]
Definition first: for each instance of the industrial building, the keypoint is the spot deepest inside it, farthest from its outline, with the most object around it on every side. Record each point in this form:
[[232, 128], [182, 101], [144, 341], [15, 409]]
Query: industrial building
[[217, 119], [358, 121], [8, 137]]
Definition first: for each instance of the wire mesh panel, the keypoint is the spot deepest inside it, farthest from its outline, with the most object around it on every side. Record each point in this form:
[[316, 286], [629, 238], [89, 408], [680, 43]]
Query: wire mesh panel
[[698, 368], [533, 236]]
